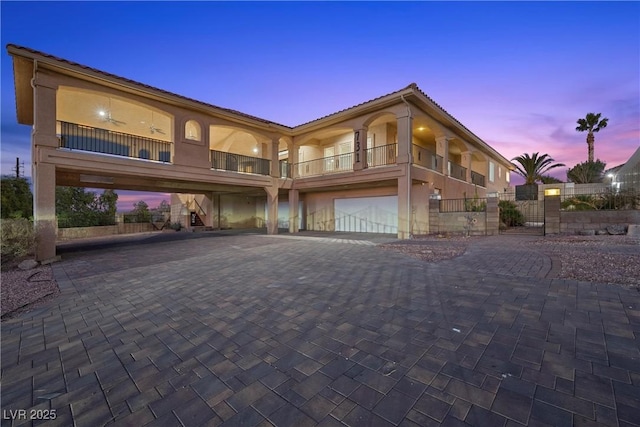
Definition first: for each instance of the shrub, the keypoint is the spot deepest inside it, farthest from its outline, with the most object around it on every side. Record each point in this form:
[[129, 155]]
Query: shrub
[[510, 216], [581, 202], [18, 238]]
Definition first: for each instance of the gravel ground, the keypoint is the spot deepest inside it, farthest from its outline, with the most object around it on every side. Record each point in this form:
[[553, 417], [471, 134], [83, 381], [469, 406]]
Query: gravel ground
[[26, 290], [601, 259]]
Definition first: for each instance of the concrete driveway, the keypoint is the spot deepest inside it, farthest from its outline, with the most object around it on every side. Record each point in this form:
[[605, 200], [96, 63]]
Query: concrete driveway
[[329, 330]]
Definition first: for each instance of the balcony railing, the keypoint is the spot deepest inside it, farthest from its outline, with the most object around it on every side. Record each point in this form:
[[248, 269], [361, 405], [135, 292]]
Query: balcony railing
[[96, 140], [383, 155], [286, 169], [477, 179], [457, 171], [239, 163], [326, 165], [428, 159]]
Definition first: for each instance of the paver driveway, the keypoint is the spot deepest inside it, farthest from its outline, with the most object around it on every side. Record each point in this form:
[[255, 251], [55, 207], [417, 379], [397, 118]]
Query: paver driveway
[[295, 331]]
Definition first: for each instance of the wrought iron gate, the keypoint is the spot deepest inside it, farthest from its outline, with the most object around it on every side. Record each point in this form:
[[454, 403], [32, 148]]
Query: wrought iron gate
[[522, 216]]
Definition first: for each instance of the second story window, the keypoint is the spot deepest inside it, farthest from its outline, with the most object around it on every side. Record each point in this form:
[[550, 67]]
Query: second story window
[[192, 131]]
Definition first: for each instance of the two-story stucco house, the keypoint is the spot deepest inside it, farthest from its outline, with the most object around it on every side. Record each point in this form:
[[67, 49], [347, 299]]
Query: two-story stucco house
[[371, 167]]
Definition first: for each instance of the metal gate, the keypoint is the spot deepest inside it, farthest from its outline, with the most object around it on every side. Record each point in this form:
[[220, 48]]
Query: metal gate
[[522, 217]]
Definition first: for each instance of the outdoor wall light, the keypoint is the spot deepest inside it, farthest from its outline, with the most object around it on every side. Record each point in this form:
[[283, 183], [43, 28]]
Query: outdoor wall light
[[552, 192]]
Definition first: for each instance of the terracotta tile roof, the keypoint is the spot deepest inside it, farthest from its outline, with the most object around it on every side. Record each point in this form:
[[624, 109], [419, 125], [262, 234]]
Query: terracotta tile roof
[[358, 105], [145, 86], [413, 86]]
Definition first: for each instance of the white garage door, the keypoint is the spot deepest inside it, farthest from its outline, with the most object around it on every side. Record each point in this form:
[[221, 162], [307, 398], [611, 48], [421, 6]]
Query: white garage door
[[367, 214]]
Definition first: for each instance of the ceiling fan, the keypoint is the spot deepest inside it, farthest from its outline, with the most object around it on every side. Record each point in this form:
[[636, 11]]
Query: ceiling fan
[[106, 116], [152, 128]]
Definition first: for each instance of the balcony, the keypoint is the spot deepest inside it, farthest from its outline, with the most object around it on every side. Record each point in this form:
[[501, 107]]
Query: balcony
[[457, 171], [477, 179], [381, 156], [425, 158], [86, 138], [239, 163], [325, 165]]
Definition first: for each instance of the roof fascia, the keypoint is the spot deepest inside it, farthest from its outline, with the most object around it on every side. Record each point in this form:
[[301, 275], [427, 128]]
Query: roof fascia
[[447, 118], [352, 112]]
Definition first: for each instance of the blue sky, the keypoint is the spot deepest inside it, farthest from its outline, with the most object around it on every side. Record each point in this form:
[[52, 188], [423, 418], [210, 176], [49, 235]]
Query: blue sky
[[518, 74]]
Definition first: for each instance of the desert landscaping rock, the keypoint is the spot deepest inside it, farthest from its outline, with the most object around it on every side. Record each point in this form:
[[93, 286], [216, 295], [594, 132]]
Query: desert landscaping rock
[[28, 264], [616, 230]]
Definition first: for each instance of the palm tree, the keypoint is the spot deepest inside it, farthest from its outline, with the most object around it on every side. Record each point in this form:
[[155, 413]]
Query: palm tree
[[591, 124], [533, 167]]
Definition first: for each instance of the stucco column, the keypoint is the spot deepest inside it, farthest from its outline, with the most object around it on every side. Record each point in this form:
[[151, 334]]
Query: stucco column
[[207, 207], [360, 149], [44, 139], [466, 162], [272, 208], [273, 155], [293, 158], [294, 219], [405, 137], [44, 210], [442, 149], [404, 203]]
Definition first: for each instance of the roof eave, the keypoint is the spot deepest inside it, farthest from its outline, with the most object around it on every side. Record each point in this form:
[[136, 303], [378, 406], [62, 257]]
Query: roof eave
[[67, 67]]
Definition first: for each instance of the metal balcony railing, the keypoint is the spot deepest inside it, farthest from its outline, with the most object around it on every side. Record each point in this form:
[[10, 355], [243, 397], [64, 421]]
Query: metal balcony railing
[[86, 138], [239, 163], [381, 156], [426, 158], [325, 165], [477, 179], [457, 171]]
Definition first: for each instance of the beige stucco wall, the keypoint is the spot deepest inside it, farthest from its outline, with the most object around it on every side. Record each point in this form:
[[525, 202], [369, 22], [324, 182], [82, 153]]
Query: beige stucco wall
[[101, 231]]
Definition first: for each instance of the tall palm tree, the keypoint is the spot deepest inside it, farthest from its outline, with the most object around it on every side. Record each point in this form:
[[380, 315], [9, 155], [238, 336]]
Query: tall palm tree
[[533, 167], [591, 124]]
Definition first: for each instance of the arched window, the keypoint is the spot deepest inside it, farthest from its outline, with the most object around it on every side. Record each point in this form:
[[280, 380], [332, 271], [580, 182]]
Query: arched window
[[192, 130]]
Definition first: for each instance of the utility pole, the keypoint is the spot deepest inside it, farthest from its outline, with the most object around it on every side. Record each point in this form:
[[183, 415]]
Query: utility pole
[[17, 168]]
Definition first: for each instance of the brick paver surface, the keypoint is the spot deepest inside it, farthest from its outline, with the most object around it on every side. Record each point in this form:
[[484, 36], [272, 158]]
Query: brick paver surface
[[254, 330]]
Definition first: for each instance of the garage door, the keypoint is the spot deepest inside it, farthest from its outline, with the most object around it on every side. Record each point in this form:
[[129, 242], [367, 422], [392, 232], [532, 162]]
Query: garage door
[[367, 214]]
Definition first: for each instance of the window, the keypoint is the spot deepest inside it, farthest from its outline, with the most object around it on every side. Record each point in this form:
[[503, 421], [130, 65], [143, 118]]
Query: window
[[492, 171], [192, 130], [506, 175], [499, 172]]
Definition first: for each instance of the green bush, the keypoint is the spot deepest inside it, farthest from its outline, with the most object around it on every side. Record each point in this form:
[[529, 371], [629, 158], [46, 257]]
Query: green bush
[[18, 238], [510, 216]]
